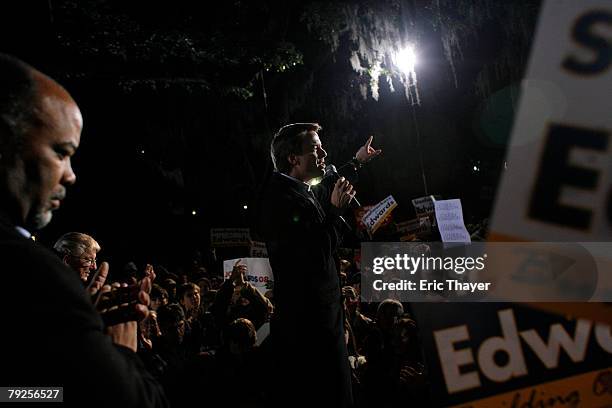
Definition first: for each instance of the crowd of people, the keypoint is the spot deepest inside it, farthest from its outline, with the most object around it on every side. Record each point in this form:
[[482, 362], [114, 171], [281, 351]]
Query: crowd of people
[[206, 338], [153, 337]]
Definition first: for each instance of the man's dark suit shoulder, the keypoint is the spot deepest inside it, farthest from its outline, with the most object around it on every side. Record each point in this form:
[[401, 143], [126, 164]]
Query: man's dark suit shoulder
[[56, 337]]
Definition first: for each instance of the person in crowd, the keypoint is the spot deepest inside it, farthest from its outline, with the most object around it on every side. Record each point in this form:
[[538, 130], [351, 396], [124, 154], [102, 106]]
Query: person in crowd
[[204, 284], [208, 298], [172, 324], [149, 334], [129, 273], [387, 314], [238, 298], [148, 330], [171, 351], [159, 297], [170, 285], [409, 370], [378, 346], [396, 373], [302, 227], [356, 360], [238, 361], [360, 324], [40, 131], [378, 342], [189, 298], [343, 270], [79, 251]]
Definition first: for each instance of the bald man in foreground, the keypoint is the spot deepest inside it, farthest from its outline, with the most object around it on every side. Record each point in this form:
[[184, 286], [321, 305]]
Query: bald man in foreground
[[52, 335]]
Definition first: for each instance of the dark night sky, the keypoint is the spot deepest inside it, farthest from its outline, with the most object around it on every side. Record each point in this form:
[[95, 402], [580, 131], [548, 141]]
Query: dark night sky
[[142, 86]]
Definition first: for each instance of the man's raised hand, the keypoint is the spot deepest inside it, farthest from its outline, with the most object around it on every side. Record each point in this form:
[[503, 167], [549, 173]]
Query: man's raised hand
[[367, 152], [238, 273]]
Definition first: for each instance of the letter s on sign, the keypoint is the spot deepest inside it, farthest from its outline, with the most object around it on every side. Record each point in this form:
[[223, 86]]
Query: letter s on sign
[[583, 34]]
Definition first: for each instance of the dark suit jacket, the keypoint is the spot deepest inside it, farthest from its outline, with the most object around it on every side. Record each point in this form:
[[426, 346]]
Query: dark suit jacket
[[52, 336], [307, 330]]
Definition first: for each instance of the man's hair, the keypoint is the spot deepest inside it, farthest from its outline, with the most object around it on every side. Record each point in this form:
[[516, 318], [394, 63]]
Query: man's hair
[[389, 308], [288, 140], [204, 282], [18, 101], [75, 244], [185, 288], [405, 322], [157, 292], [169, 316], [242, 332]]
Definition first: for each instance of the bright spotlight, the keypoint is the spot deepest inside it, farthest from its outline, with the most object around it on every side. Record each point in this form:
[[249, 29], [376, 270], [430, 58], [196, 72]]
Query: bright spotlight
[[406, 60], [246, 207], [193, 212]]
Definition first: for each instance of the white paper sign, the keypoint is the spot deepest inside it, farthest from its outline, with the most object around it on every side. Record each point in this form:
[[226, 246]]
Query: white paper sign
[[259, 272], [449, 215]]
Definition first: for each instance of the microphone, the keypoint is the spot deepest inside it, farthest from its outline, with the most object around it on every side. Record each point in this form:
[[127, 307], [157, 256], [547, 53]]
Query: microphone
[[332, 172]]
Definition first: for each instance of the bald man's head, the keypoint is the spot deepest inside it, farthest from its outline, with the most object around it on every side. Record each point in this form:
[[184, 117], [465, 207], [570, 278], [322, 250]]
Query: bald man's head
[[17, 100], [40, 129]]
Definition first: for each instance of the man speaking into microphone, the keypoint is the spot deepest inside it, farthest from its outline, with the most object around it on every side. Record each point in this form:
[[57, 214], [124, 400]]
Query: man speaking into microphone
[[301, 225]]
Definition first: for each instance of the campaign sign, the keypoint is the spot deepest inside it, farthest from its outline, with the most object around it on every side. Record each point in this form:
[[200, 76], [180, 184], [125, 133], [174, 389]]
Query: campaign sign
[[505, 355], [259, 272], [376, 216], [412, 228], [359, 213], [424, 206], [557, 186], [258, 250], [225, 237]]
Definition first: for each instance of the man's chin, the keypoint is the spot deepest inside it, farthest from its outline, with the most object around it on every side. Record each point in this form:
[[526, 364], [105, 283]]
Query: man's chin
[[40, 220]]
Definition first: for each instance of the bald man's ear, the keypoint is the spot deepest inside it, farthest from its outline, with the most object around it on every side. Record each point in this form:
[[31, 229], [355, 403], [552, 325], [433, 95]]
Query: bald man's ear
[[65, 259]]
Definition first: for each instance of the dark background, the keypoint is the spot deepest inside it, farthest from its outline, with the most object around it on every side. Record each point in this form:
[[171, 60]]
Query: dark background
[[180, 104]]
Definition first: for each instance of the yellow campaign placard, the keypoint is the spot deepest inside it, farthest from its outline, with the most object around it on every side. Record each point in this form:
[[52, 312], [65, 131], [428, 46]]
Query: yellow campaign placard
[[589, 390]]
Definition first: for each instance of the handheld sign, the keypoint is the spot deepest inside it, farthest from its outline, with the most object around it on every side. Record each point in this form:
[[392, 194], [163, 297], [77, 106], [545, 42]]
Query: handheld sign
[[375, 217], [557, 186], [259, 272], [449, 216], [226, 237], [424, 206]]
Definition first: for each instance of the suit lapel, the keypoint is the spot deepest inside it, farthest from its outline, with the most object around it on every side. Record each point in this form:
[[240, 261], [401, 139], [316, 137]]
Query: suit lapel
[[305, 194]]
